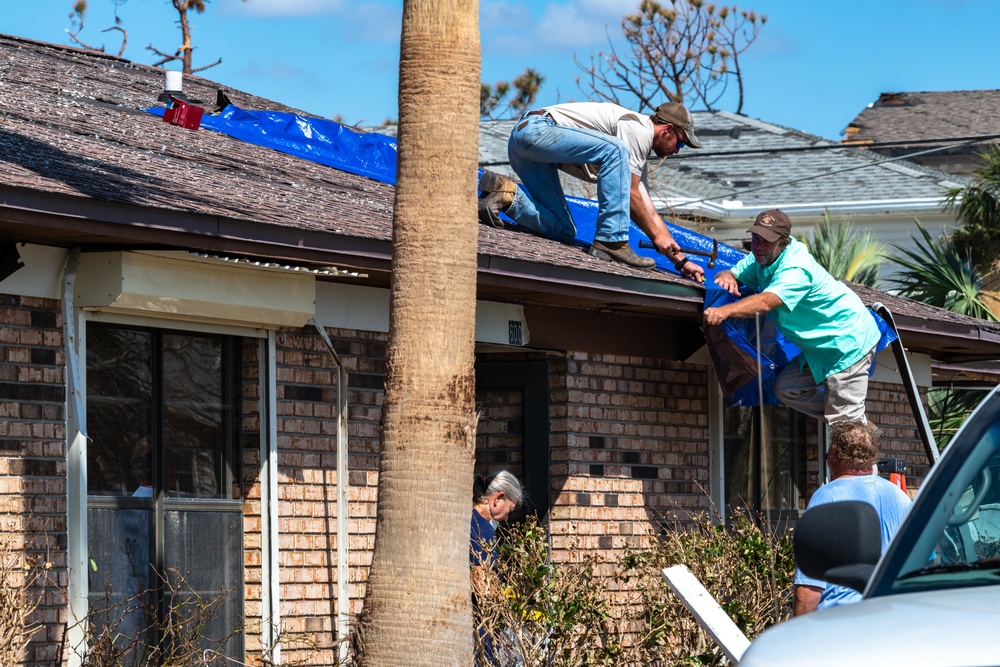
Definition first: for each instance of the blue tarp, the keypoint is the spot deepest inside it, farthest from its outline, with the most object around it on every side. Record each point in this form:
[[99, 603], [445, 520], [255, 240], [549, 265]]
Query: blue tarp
[[735, 356], [314, 139], [374, 156], [584, 212], [734, 349]]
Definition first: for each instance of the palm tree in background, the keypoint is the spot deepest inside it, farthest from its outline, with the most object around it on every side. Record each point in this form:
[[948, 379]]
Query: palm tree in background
[[941, 274], [846, 253], [948, 408], [978, 207]]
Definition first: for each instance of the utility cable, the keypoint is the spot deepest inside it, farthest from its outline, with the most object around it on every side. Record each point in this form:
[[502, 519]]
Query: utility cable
[[963, 141]]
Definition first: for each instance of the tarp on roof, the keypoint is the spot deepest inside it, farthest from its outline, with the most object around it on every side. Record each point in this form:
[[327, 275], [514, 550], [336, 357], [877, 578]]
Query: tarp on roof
[[733, 345], [315, 139]]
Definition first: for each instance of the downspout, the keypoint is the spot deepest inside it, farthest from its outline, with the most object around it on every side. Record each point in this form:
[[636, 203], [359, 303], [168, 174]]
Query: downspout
[[76, 472], [343, 486], [270, 591]]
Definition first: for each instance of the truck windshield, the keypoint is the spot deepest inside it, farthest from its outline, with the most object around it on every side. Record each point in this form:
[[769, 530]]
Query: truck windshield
[[956, 538]]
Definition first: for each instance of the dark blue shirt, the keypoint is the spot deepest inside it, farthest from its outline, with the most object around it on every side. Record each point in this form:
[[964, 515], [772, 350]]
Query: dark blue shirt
[[482, 534]]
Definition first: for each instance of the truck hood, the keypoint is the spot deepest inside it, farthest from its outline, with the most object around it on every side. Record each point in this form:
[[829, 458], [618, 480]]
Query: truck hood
[[946, 628]]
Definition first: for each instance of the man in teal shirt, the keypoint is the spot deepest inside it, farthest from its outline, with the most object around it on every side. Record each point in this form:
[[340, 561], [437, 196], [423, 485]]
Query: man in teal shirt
[[821, 315]]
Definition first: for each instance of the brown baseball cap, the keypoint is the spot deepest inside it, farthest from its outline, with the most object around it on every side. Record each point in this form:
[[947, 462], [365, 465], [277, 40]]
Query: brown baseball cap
[[677, 114], [772, 225]]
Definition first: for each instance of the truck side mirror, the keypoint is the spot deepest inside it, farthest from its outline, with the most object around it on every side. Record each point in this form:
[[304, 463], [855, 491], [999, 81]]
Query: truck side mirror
[[839, 542]]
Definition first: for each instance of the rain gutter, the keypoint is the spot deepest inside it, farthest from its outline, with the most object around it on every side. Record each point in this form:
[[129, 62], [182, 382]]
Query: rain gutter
[[734, 209], [343, 489], [84, 220]]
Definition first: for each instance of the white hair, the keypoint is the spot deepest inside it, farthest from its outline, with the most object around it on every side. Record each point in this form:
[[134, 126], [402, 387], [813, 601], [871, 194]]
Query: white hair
[[499, 482]]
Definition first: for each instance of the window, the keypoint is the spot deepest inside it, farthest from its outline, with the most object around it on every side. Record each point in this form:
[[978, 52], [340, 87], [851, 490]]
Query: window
[[165, 530], [765, 453]]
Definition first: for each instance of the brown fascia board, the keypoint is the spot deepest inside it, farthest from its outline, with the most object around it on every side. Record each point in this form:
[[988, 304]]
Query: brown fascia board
[[973, 374], [31, 216], [64, 220], [948, 341], [589, 289]]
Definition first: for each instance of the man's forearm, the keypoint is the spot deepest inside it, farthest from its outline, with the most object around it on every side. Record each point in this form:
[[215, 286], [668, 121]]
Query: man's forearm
[[806, 599], [645, 217]]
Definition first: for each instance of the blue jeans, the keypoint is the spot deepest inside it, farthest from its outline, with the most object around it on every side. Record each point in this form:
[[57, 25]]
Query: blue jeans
[[537, 147]]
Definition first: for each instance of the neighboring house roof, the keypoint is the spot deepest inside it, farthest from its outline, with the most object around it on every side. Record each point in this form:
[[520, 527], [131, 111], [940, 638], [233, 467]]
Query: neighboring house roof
[[83, 164], [916, 121]]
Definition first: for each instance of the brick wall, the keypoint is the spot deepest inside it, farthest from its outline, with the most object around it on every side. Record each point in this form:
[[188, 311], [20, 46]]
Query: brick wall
[[627, 442], [887, 406], [33, 454], [307, 468], [628, 452], [499, 439], [251, 494]]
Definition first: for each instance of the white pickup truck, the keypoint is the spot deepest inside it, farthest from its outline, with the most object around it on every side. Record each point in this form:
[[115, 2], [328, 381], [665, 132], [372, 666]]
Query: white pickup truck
[[933, 598]]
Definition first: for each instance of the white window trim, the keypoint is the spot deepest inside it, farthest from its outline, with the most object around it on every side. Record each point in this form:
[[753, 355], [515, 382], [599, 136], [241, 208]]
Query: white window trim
[[77, 546]]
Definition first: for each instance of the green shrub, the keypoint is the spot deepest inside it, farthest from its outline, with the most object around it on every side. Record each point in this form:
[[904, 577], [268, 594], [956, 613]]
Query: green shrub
[[539, 613], [748, 570]]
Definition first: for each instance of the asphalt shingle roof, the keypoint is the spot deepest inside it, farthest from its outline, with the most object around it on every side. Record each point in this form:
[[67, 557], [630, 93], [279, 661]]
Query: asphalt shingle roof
[[741, 155], [73, 123], [928, 115]]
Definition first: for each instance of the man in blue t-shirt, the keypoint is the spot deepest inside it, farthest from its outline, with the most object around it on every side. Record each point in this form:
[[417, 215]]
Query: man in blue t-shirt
[[852, 455], [816, 312]]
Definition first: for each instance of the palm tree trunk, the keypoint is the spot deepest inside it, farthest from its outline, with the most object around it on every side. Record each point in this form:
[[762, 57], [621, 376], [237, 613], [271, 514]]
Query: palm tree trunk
[[417, 609]]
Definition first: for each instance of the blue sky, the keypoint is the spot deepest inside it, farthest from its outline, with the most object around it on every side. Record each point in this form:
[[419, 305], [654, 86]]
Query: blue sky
[[815, 66]]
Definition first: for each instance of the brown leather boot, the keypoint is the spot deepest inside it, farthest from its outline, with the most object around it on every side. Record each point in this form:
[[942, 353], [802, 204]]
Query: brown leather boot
[[620, 252], [497, 196]]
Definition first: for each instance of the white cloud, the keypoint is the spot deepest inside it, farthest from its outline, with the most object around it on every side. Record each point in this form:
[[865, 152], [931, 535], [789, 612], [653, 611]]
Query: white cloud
[[276, 8], [581, 24], [578, 24]]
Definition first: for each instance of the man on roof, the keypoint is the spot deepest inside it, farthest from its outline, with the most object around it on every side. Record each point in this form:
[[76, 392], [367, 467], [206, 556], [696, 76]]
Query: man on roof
[[821, 315], [597, 142]]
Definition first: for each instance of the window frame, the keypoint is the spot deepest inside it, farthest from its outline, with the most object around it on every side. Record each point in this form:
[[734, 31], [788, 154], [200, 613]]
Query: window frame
[[719, 474], [77, 493]]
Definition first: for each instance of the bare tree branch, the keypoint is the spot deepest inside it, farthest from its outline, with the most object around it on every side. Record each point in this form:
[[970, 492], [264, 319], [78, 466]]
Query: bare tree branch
[[205, 67], [124, 37], [77, 17], [680, 51], [185, 50], [76, 20]]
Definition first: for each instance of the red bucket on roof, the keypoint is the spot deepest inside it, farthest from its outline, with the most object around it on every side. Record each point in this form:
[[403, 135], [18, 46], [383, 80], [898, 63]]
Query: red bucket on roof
[[183, 114]]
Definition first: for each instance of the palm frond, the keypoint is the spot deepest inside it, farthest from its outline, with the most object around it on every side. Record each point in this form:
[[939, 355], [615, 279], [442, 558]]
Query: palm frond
[[845, 253], [978, 207], [948, 408], [939, 275]]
